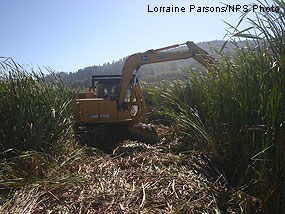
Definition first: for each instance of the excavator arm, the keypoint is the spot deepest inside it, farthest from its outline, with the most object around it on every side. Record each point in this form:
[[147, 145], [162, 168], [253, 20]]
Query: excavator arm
[[135, 61]]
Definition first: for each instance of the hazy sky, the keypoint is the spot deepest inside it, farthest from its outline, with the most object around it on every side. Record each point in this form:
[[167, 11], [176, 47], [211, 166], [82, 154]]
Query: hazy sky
[[70, 34]]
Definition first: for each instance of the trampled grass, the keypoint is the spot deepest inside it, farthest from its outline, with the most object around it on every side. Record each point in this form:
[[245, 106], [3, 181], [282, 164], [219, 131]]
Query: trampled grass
[[135, 179]]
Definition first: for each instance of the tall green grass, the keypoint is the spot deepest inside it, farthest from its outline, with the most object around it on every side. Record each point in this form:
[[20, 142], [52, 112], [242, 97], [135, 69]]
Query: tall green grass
[[36, 137], [33, 110], [239, 106]]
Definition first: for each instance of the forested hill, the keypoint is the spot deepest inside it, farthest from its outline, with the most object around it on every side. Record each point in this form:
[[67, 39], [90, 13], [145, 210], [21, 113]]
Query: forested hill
[[148, 73]]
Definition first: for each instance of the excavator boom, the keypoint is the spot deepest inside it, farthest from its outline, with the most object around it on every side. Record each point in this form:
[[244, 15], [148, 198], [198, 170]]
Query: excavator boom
[[135, 61]]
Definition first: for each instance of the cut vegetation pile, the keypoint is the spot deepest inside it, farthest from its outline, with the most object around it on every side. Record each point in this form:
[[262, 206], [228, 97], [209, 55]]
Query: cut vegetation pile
[[136, 179]]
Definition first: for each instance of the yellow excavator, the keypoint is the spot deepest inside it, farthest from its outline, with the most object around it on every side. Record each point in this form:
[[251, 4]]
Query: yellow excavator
[[118, 99]]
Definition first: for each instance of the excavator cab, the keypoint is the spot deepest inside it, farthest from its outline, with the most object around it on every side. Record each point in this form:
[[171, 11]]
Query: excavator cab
[[100, 103], [106, 86]]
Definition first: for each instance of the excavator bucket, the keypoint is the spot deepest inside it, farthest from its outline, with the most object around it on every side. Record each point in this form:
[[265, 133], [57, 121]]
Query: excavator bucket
[[144, 133]]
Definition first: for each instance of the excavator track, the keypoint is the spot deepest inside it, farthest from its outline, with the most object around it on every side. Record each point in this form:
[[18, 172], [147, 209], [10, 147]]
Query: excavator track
[[107, 137]]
